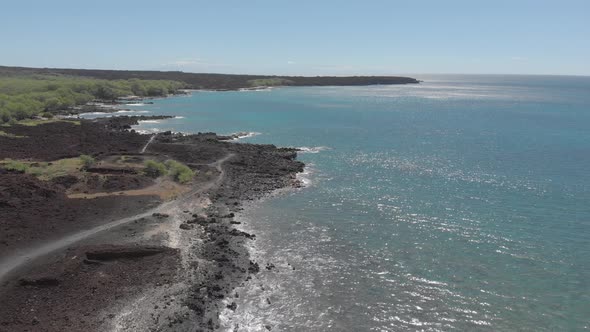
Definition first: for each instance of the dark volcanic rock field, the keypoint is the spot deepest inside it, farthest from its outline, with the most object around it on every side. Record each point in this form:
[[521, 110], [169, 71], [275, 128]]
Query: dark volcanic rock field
[[78, 287]]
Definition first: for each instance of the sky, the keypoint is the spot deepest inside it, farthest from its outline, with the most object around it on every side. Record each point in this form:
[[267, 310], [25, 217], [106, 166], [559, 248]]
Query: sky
[[302, 37]]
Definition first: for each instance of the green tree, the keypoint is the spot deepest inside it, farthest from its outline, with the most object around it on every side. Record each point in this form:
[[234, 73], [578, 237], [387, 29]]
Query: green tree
[[87, 161], [5, 116], [154, 169], [106, 93], [179, 172]]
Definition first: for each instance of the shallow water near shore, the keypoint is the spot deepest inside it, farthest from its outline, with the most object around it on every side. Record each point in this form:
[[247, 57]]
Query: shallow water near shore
[[457, 204]]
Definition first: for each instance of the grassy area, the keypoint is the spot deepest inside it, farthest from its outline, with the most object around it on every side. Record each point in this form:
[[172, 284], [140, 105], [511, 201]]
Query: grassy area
[[74, 166], [36, 122], [9, 135], [23, 97], [270, 82], [45, 170]]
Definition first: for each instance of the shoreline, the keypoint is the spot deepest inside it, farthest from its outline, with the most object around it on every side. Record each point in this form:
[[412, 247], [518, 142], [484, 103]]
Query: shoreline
[[116, 110], [217, 240]]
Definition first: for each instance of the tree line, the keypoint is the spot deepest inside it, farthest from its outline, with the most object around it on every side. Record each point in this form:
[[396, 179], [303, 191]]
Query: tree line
[[23, 97]]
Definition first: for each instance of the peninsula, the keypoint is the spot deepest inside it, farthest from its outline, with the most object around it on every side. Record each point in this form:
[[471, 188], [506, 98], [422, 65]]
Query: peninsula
[[212, 81]]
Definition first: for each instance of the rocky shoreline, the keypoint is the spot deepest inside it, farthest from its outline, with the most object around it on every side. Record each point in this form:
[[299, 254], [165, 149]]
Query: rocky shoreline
[[100, 106], [142, 262]]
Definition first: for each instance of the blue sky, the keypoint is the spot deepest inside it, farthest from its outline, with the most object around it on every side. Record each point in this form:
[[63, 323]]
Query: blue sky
[[321, 37]]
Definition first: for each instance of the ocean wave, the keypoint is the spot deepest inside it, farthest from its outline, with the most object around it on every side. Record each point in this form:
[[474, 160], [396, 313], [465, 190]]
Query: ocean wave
[[305, 177], [255, 89], [131, 111], [109, 114], [240, 135], [135, 104], [149, 121], [315, 149], [103, 105], [149, 131], [92, 113], [282, 298]]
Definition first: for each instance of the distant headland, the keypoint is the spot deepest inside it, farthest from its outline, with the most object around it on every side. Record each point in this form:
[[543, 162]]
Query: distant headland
[[213, 81]]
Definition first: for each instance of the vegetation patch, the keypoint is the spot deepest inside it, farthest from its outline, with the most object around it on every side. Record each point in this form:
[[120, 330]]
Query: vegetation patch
[[155, 169], [14, 165], [45, 170], [270, 82], [36, 122], [178, 171], [27, 96], [9, 135], [87, 161]]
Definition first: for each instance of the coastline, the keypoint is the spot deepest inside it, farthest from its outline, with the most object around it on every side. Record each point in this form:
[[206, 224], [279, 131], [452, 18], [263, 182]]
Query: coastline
[[208, 238], [211, 81], [391, 245]]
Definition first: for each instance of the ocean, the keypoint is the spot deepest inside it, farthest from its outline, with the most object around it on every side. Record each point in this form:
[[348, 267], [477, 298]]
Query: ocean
[[461, 203]]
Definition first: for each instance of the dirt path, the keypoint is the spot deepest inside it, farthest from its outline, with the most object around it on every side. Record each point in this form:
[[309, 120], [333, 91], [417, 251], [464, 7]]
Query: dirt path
[[166, 189], [148, 143], [27, 256]]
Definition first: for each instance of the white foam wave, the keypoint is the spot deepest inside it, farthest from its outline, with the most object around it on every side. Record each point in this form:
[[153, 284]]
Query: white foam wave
[[135, 104], [149, 131], [270, 298], [131, 111], [244, 135], [93, 113], [109, 114], [256, 89], [103, 105], [149, 121], [315, 149], [305, 177]]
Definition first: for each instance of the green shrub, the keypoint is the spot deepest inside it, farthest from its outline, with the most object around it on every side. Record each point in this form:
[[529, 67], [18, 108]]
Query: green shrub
[[35, 171], [87, 161], [179, 172], [5, 116], [154, 169], [47, 115], [14, 165]]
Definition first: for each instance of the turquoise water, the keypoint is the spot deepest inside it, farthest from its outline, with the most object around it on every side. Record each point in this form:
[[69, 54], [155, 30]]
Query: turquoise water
[[461, 204]]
